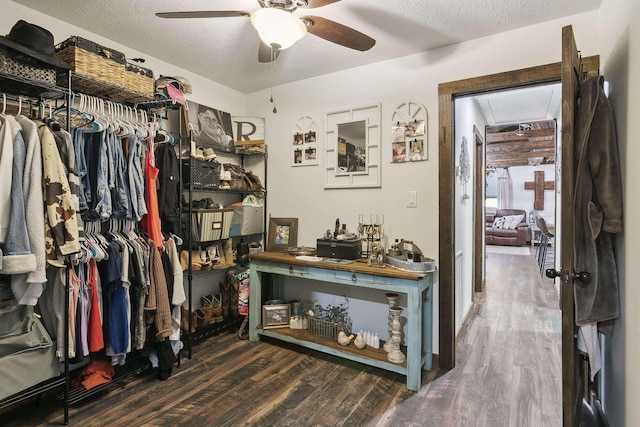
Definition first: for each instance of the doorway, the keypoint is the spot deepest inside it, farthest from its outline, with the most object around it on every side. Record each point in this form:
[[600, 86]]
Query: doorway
[[447, 93], [513, 133]]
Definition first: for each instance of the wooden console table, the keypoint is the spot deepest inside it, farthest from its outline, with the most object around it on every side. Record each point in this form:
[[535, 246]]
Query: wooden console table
[[417, 286]]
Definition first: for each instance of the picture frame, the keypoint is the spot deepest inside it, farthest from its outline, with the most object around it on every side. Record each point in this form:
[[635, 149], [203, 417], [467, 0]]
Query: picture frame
[[304, 142], [275, 316], [283, 234], [210, 128], [409, 133]]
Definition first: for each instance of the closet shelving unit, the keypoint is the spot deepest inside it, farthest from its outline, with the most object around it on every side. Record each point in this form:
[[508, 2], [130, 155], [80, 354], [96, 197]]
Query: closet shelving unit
[[215, 328], [39, 91]]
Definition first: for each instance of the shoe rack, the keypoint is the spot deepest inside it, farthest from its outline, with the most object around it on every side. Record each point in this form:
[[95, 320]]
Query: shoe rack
[[190, 204]]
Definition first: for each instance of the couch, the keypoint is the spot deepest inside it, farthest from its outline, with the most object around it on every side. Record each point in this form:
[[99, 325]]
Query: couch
[[503, 228]]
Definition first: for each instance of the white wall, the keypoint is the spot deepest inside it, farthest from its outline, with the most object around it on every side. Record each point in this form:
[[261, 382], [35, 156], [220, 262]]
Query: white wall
[[523, 199], [620, 61], [298, 192], [467, 114]]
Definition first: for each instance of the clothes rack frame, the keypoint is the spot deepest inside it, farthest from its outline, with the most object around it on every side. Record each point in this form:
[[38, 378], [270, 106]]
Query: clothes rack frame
[[20, 88]]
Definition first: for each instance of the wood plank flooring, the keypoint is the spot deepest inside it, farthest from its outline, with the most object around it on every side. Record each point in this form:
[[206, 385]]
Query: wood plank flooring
[[508, 373]]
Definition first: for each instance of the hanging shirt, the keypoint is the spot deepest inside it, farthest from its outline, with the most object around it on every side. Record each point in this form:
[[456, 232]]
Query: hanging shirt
[[151, 221], [61, 224], [94, 338]]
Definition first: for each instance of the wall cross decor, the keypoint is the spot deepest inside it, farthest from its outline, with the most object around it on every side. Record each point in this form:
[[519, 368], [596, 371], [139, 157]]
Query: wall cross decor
[[538, 186]]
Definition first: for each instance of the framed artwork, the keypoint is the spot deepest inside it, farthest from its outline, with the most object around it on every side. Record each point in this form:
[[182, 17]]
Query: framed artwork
[[304, 142], [409, 133], [275, 316], [211, 128], [283, 234], [248, 134]]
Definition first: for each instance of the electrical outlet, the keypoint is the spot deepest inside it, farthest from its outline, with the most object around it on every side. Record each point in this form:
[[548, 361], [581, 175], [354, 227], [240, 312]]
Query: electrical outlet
[[412, 201]]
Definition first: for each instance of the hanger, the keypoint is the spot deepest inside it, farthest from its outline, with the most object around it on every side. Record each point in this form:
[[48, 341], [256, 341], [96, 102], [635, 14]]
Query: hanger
[[78, 118], [50, 121], [162, 136]]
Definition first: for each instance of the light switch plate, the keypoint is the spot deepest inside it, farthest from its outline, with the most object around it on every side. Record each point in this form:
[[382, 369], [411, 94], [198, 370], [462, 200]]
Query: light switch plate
[[412, 199]]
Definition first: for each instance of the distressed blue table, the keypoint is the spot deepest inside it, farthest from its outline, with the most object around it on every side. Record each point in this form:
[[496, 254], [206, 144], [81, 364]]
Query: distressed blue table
[[417, 286]]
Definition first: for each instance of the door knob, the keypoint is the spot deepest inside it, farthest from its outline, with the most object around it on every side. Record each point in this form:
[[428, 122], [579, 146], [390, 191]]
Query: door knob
[[583, 276], [552, 273]]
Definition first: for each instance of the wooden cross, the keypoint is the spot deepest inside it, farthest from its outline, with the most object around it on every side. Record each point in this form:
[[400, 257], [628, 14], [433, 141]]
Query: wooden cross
[[539, 185]]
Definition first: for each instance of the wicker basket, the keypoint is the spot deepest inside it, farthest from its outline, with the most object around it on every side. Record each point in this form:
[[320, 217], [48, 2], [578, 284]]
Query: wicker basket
[[139, 80], [93, 61], [323, 328], [19, 65]]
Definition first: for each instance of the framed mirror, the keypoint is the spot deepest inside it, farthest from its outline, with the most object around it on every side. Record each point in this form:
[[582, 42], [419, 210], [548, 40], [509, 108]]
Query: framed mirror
[[352, 147], [352, 158]]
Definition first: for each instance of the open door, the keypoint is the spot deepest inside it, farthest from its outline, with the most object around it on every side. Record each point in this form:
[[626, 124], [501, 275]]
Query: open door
[[573, 71], [570, 71]]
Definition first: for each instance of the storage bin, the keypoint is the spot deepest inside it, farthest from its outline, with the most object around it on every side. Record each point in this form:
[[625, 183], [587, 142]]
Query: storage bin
[[249, 218], [138, 80], [92, 61], [210, 224], [323, 328], [205, 175], [23, 66]]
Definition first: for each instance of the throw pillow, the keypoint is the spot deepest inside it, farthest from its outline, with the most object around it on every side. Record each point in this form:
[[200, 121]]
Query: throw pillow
[[507, 222], [515, 220], [498, 222]]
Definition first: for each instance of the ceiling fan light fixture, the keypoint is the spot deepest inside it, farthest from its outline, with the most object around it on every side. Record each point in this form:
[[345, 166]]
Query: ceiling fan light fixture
[[278, 28]]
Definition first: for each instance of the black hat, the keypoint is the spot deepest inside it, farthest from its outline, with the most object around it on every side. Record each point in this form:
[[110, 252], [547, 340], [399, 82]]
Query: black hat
[[33, 41]]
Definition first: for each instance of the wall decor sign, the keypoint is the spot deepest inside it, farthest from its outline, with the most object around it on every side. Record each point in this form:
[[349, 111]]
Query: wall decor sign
[[210, 127], [248, 134], [352, 150], [409, 133], [304, 142]]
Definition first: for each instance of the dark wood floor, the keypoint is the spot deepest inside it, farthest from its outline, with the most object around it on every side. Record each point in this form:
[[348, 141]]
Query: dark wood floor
[[508, 373]]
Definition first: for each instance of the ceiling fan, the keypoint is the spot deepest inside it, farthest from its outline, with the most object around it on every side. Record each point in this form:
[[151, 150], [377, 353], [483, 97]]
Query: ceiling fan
[[279, 28]]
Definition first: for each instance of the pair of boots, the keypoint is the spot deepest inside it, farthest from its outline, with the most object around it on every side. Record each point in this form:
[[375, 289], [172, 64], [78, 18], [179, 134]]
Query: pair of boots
[[229, 293], [225, 251]]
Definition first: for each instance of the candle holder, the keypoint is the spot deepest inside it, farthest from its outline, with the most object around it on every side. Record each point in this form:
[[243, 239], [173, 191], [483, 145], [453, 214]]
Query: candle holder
[[392, 302], [395, 355]]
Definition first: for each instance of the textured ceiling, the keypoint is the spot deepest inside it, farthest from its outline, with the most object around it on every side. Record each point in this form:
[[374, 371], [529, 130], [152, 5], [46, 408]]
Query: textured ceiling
[[225, 49], [532, 104]]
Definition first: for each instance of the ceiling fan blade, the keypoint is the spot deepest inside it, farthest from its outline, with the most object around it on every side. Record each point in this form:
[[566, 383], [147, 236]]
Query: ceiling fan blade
[[264, 53], [338, 33], [319, 3], [203, 14]]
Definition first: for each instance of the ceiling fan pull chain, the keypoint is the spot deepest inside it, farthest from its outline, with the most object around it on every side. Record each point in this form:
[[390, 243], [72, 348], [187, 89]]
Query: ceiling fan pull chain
[[274, 58]]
